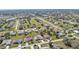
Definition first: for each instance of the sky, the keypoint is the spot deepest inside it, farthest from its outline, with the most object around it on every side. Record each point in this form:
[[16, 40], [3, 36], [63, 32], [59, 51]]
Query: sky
[[39, 4]]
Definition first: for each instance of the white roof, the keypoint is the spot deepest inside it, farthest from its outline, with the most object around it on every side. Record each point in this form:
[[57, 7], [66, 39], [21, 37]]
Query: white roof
[[76, 31]]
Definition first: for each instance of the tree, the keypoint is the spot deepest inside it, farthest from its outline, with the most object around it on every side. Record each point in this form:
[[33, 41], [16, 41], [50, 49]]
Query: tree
[[67, 41], [73, 43]]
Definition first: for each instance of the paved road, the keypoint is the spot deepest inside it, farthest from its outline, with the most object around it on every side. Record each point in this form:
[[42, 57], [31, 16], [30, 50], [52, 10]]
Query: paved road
[[7, 47], [52, 25], [17, 25], [68, 21], [76, 37]]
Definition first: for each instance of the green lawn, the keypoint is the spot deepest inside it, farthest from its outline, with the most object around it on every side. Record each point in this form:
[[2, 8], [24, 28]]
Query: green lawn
[[35, 22], [18, 37]]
